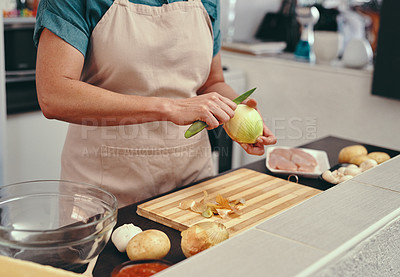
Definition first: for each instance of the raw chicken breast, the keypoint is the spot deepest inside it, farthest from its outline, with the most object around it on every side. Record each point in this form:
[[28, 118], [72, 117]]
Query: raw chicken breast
[[292, 160], [280, 162], [303, 157], [286, 153]]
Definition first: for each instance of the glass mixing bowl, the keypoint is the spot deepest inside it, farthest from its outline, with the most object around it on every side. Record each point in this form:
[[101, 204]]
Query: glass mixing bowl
[[59, 223]]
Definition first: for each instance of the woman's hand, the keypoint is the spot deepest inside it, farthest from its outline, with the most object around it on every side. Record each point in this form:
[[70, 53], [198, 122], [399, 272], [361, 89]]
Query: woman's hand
[[212, 108], [266, 139]]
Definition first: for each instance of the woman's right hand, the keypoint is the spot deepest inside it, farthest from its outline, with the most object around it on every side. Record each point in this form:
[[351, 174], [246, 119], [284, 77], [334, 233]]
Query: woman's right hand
[[212, 108]]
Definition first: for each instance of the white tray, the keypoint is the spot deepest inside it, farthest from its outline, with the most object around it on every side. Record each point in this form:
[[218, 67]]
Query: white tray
[[320, 156]]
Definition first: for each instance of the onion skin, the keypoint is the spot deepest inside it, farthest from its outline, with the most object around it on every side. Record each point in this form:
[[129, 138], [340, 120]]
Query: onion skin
[[202, 236], [246, 126]]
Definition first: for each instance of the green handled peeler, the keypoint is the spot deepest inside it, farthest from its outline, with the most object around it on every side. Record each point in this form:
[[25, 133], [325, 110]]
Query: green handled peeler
[[198, 125]]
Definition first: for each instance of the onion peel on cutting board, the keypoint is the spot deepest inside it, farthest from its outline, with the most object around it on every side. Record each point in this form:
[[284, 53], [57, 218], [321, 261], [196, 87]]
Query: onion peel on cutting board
[[221, 206]]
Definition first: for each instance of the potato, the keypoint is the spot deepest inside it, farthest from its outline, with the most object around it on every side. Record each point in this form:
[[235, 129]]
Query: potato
[[379, 157], [348, 152], [357, 160], [149, 244]]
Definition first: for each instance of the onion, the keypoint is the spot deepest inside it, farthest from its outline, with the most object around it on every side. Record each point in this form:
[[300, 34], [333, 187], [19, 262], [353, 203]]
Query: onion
[[202, 236], [246, 126]]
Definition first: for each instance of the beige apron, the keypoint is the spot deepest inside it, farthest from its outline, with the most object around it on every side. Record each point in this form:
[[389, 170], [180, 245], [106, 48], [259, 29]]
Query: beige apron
[[149, 51]]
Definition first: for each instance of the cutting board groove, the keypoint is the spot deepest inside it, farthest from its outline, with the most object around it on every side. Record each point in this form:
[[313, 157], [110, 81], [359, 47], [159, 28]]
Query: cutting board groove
[[265, 196]]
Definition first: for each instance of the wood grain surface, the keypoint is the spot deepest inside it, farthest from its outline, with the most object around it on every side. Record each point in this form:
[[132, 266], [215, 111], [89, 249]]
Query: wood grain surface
[[265, 196]]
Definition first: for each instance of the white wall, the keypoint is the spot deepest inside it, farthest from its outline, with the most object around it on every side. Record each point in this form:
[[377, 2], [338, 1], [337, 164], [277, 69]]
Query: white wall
[[303, 102], [2, 100], [34, 146], [248, 16]]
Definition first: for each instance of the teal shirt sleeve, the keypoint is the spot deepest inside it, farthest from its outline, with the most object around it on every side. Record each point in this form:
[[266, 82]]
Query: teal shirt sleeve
[[213, 9], [66, 19], [74, 20]]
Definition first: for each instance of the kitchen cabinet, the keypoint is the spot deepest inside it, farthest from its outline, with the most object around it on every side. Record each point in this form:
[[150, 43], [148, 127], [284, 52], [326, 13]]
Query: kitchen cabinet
[[301, 102]]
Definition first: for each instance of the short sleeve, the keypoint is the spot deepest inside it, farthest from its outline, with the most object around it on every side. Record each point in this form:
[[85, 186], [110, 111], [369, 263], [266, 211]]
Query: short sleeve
[[66, 19], [213, 9]]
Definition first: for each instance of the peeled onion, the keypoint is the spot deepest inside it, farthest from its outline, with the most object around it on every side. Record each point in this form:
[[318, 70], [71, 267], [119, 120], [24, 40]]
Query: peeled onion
[[202, 236], [246, 125]]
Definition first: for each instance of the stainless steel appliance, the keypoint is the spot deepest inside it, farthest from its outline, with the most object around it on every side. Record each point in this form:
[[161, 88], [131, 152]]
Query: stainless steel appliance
[[20, 64]]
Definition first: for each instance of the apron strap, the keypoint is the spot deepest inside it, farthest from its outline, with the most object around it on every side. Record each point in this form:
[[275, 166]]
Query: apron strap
[[122, 2]]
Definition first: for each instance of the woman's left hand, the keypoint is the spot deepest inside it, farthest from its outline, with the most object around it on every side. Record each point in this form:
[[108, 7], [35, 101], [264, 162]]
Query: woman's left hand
[[266, 139]]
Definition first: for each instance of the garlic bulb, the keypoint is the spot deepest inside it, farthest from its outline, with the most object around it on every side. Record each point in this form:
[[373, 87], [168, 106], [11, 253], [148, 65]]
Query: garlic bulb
[[202, 236], [353, 171], [246, 125], [367, 164], [330, 177], [341, 170], [345, 173], [345, 178], [122, 235]]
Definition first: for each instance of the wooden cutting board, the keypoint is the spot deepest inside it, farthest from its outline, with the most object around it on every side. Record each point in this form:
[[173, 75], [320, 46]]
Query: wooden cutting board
[[265, 196]]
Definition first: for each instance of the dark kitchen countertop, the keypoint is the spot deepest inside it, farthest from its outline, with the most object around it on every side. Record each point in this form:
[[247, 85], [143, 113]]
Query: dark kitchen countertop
[[111, 257]]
